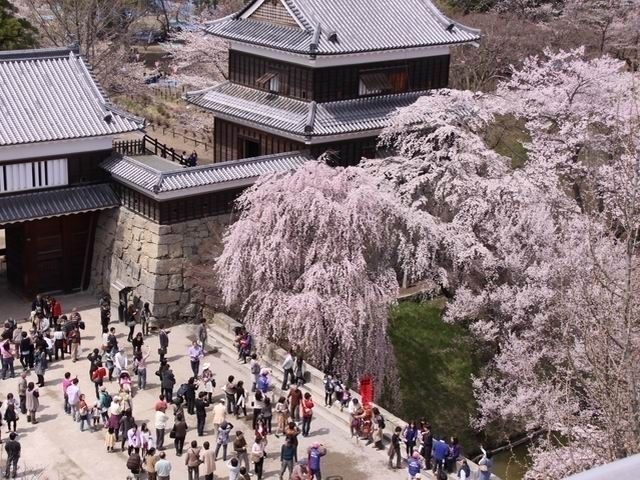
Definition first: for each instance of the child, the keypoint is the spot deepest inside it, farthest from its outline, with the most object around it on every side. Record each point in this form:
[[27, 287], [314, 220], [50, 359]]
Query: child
[[95, 415], [110, 439]]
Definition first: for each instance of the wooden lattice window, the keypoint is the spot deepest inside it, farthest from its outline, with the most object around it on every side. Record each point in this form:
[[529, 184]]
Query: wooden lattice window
[[273, 11]]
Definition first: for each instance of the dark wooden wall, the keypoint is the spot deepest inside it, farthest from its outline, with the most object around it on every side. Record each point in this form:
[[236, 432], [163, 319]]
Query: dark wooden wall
[[333, 83], [179, 210], [53, 254], [228, 139]]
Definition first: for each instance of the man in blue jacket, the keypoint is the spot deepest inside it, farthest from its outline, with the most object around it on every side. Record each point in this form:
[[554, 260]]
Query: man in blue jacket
[[414, 464], [439, 452]]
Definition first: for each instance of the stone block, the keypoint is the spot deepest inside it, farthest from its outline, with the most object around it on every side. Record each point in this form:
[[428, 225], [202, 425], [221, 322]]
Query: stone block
[[184, 298], [150, 250], [172, 310], [175, 281], [164, 229], [163, 251], [178, 227], [165, 267], [175, 250], [169, 239], [159, 310], [190, 310]]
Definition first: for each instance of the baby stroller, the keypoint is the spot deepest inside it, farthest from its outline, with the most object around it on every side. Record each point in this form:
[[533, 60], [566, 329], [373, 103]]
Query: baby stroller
[[125, 381]]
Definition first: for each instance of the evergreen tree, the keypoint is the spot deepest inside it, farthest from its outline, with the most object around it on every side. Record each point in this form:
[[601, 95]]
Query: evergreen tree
[[15, 33]]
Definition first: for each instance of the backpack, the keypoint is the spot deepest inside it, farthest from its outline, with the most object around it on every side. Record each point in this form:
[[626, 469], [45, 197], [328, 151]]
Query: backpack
[[182, 390], [106, 403]]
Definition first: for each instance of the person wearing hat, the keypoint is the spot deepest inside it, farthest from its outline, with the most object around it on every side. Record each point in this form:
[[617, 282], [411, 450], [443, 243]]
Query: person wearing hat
[[208, 382], [314, 453]]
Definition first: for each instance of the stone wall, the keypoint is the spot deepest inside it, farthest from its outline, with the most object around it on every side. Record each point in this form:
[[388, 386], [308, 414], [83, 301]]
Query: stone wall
[[160, 262]]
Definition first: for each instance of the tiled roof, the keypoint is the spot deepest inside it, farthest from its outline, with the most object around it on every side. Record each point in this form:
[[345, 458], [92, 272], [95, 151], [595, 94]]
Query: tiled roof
[[155, 181], [332, 27], [50, 94], [54, 203], [307, 119]]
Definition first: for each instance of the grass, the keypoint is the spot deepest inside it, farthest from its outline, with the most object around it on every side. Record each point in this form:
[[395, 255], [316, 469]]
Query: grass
[[435, 361]]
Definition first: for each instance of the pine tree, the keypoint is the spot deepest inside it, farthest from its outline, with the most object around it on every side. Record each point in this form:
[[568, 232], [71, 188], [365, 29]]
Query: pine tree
[[15, 33]]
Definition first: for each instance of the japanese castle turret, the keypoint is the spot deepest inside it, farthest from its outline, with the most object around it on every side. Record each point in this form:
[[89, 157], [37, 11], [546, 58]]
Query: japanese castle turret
[[324, 75]]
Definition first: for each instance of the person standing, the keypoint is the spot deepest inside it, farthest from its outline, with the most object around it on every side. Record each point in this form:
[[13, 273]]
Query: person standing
[[74, 340], [163, 467], [26, 351], [145, 318], [287, 453], [307, 413], [208, 459], [161, 424], [257, 455], [150, 460], [192, 461], [167, 382], [240, 449], [295, 397], [105, 312], [208, 382], [7, 359], [130, 318], [203, 334], [13, 448], [230, 394], [223, 439], [287, 366], [73, 397], [314, 454], [394, 448], [163, 337], [32, 402], [97, 377], [40, 365], [10, 415], [201, 404], [219, 415], [485, 465], [22, 392], [195, 355], [120, 361], [414, 464]]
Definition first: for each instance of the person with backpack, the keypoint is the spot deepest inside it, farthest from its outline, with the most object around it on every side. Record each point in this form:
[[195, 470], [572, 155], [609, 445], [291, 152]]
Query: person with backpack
[[104, 402], [314, 454], [192, 461]]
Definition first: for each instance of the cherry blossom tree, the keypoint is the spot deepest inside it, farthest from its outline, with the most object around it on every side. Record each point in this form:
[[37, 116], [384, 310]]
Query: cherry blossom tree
[[312, 262], [198, 59], [540, 260]]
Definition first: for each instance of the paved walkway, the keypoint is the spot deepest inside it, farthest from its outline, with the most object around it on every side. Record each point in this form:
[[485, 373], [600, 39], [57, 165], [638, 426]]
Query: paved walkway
[[57, 449]]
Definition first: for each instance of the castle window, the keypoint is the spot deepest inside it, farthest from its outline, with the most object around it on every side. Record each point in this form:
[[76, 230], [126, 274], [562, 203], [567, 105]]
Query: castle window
[[270, 81], [381, 81]]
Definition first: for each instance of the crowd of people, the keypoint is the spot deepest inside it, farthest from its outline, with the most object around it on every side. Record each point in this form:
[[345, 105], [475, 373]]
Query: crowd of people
[[276, 416]]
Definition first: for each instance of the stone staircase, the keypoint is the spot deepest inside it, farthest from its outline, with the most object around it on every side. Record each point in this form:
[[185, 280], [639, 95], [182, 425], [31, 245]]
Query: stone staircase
[[222, 337]]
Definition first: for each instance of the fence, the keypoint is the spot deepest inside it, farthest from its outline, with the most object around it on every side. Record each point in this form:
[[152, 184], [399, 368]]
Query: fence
[[148, 146]]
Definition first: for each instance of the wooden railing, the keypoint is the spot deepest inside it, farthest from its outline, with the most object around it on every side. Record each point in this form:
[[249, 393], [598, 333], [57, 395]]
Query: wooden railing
[[148, 146]]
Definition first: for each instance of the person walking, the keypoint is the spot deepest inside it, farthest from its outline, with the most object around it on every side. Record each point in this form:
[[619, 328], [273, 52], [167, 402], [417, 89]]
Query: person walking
[[207, 381], [195, 353], [180, 433], [74, 340], [32, 402], [59, 338], [161, 420], [10, 415], [307, 413], [134, 463], [257, 455], [219, 415], [241, 400], [105, 312], [192, 461], [130, 318], [222, 439], [291, 432], [83, 412], [240, 448], [208, 459], [26, 351], [314, 453], [137, 342], [281, 415], [140, 367], [203, 335], [120, 361], [13, 449], [97, 377], [287, 366], [163, 467]]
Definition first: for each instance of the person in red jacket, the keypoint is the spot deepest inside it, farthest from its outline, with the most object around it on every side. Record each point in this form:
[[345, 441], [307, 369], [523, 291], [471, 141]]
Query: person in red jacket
[[306, 407]]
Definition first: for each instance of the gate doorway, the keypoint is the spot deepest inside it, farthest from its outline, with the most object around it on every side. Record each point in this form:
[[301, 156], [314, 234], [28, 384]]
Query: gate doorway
[[50, 255]]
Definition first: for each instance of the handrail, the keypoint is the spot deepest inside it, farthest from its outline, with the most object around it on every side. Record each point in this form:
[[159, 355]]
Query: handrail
[[148, 146]]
